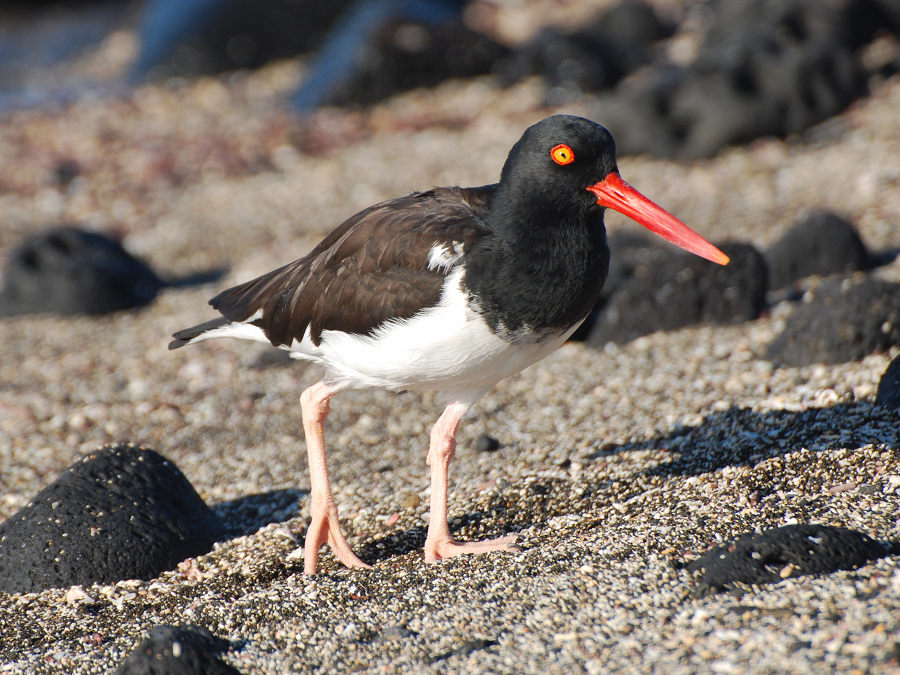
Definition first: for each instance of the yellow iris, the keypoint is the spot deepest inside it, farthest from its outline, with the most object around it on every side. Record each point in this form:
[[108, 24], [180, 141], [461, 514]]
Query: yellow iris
[[562, 154]]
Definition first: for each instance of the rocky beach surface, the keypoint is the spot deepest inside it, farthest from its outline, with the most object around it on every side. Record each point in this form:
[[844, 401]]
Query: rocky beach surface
[[617, 466]]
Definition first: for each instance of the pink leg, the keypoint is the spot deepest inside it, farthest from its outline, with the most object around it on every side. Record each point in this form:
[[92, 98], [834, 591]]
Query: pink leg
[[324, 526], [439, 544]]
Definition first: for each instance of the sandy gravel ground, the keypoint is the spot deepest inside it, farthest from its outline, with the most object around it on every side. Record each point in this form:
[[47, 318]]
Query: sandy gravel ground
[[614, 465]]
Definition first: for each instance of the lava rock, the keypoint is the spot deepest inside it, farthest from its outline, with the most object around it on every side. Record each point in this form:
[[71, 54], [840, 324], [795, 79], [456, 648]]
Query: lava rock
[[177, 650], [681, 290], [70, 271], [402, 55], [592, 59], [783, 552], [840, 320], [764, 69], [822, 243], [121, 512], [888, 395]]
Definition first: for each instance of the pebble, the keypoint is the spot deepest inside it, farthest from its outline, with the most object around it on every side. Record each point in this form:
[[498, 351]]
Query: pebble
[[888, 394]]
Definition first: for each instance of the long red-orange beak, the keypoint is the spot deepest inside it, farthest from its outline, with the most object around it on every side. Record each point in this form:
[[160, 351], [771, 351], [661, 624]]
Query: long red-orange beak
[[615, 193]]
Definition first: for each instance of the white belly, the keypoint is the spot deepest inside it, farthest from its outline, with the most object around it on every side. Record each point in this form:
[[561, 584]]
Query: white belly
[[446, 348]]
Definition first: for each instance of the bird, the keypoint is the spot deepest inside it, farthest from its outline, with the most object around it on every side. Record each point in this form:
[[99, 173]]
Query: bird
[[449, 290]]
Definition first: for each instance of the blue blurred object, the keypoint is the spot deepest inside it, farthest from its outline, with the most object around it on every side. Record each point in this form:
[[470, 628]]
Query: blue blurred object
[[54, 36], [338, 59], [34, 40], [195, 37], [167, 23]]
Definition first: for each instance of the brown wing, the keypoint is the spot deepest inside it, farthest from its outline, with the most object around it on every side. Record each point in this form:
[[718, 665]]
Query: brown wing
[[372, 268]]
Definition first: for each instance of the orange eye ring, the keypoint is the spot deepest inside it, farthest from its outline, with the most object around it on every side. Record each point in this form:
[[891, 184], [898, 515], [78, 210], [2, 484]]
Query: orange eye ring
[[562, 154]]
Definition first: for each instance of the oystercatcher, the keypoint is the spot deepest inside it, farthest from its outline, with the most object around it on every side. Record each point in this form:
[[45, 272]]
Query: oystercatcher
[[451, 290]]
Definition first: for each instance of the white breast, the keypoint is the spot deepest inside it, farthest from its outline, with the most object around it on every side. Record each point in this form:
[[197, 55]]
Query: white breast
[[446, 348]]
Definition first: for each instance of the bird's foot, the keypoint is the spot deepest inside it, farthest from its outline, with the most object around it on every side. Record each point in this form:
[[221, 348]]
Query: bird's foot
[[325, 528], [439, 549]]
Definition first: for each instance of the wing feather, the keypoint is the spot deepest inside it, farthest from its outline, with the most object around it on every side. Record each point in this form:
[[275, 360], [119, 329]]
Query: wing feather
[[371, 269]]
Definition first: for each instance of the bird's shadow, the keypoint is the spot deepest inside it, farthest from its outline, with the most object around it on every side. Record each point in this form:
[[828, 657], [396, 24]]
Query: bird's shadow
[[398, 544], [246, 515]]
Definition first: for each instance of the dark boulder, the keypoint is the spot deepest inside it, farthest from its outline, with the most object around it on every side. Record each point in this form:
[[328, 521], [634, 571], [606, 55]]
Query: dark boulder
[[888, 395], [681, 290], [594, 58], [763, 69], [842, 319], [120, 512], [70, 271], [783, 552], [177, 650], [822, 243]]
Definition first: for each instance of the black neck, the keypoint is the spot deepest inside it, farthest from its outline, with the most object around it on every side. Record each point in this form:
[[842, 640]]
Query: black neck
[[544, 268]]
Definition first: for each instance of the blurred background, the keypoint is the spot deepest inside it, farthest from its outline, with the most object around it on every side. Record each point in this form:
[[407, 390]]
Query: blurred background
[[766, 66], [201, 134]]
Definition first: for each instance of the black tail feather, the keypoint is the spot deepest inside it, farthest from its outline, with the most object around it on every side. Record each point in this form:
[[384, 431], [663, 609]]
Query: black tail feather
[[182, 337]]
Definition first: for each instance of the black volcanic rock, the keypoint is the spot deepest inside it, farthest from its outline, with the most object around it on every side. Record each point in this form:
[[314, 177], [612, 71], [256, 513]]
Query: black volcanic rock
[[71, 271], [764, 68], [177, 650], [680, 290], [822, 243], [840, 320], [121, 512], [888, 395], [763, 558], [594, 58], [402, 55]]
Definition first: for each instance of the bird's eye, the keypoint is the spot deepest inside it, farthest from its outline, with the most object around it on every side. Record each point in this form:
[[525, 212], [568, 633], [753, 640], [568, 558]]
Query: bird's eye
[[562, 154]]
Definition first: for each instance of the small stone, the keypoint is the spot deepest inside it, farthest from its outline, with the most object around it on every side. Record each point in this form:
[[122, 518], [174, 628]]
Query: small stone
[[181, 650], [487, 444], [888, 395], [77, 595]]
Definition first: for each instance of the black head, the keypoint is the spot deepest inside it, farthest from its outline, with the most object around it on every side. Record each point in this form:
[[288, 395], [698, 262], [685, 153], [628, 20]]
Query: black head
[[562, 174], [556, 160]]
